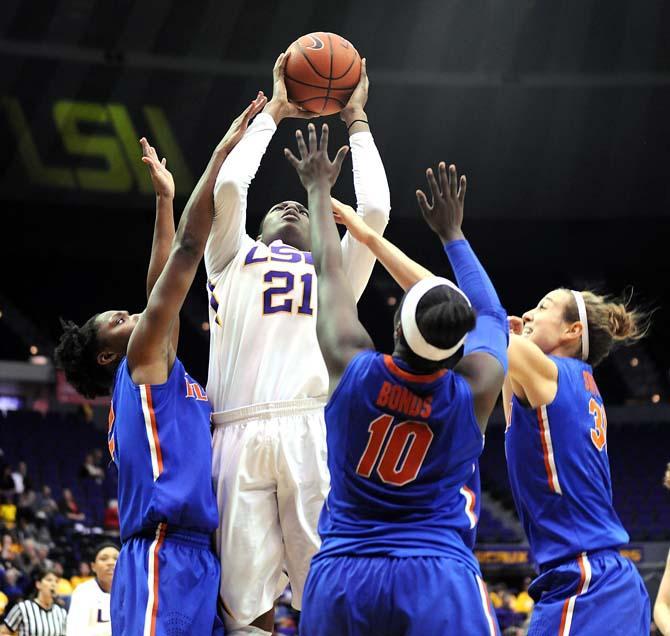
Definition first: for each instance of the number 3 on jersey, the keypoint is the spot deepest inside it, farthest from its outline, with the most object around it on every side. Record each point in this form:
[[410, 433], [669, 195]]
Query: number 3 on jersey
[[398, 460], [599, 432]]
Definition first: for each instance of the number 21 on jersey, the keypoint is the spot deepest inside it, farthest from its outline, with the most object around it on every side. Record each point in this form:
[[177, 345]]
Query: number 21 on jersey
[[398, 455]]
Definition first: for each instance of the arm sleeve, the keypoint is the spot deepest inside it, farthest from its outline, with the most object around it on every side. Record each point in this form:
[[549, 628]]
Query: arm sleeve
[[230, 194], [374, 205], [491, 333]]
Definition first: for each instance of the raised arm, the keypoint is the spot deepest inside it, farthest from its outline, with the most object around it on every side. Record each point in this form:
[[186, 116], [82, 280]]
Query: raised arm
[[484, 361], [150, 353], [164, 230], [405, 271], [237, 173], [341, 335], [372, 190]]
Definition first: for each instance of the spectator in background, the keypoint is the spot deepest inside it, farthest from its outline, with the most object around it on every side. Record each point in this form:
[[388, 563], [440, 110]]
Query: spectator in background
[[89, 469], [21, 480], [8, 551], [45, 505], [63, 586], [89, 609], [7, 485], [111, 519], [29, 560], [68, 507], [84, 575], [12, 587], [43, 554], [39, 616], [523, 604], [7, 511]]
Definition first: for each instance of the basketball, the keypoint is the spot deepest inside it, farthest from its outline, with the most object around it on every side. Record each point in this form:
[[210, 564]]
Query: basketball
[[322, 72]]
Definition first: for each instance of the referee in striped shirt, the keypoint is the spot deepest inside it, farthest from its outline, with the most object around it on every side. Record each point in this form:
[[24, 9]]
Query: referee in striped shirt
[[39, 616]]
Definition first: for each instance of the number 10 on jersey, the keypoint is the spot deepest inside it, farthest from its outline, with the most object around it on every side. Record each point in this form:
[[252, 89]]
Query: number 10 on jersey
[[398, 455]]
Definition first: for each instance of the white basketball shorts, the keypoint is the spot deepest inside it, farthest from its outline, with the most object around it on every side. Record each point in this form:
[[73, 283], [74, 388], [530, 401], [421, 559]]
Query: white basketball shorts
[[271, 478]]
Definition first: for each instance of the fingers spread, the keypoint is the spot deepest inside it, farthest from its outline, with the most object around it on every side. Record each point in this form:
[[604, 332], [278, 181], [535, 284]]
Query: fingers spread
[[423, 202], [339, 157], [463, 187], [302, 148], [453, 180], [292, 159], [311, 134], [323, 142], [432, 183], [444, 178]]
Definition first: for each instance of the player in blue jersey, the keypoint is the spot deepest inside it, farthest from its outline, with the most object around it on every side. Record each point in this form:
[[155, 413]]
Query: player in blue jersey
[[556, 447], [166, 579], [403, 432]]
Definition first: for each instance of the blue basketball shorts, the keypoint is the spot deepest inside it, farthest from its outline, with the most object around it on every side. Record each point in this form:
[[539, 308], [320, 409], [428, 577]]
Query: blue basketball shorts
[[167, 585], [598, 593], [410, 596]]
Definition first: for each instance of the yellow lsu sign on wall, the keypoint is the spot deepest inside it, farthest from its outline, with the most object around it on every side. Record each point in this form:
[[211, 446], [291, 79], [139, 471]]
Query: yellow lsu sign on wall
[[116, 145]]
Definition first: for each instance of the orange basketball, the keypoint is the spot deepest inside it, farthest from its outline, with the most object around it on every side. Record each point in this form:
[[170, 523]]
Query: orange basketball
[[322, 72]]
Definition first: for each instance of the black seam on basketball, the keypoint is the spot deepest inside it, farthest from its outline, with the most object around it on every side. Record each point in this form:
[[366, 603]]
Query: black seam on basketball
[[330, 73], [305, 83], [310, 62], [353, 61]]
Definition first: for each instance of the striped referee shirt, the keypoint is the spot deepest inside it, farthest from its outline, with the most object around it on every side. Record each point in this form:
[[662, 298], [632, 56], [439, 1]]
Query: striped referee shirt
[[28, 618]]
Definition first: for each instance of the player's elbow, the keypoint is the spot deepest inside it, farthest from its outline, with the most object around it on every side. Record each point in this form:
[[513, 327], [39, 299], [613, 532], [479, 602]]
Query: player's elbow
[[188, 246]]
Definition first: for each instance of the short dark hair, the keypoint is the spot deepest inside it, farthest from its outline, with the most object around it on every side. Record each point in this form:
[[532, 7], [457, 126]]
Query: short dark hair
[[443, 317], [40, 573], [100, 547], [77, 354]]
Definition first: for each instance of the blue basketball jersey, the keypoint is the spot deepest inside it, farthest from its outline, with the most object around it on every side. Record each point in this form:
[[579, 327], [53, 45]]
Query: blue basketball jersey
[[159, 438], [559, 470], [401, 449]]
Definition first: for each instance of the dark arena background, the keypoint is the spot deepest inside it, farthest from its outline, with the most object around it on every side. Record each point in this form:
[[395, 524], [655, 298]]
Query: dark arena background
[[558, 112]]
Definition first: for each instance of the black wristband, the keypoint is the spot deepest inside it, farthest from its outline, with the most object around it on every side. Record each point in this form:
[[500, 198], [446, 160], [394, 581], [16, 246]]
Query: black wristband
[[365, 121]]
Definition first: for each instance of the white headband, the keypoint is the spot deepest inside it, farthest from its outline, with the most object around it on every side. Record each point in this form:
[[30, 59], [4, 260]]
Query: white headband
[[583, 318], [417, 343]]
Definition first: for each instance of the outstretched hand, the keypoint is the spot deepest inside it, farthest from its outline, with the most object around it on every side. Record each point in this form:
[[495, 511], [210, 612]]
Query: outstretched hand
[[314, 167], [161, 177], [279, 107], [241, 122], [444, 214]]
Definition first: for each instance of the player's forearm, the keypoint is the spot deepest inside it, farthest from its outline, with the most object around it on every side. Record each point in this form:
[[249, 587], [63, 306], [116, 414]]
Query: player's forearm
[[405, 271], [164, 232], [242, 163], [326, 250], [372, 191], [662, 617]]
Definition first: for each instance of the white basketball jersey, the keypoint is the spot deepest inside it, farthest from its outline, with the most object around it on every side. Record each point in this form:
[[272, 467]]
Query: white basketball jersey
[[263, 345]]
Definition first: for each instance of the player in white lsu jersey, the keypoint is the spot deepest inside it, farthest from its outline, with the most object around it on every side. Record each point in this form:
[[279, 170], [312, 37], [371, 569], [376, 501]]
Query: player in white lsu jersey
[[267, 379]]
